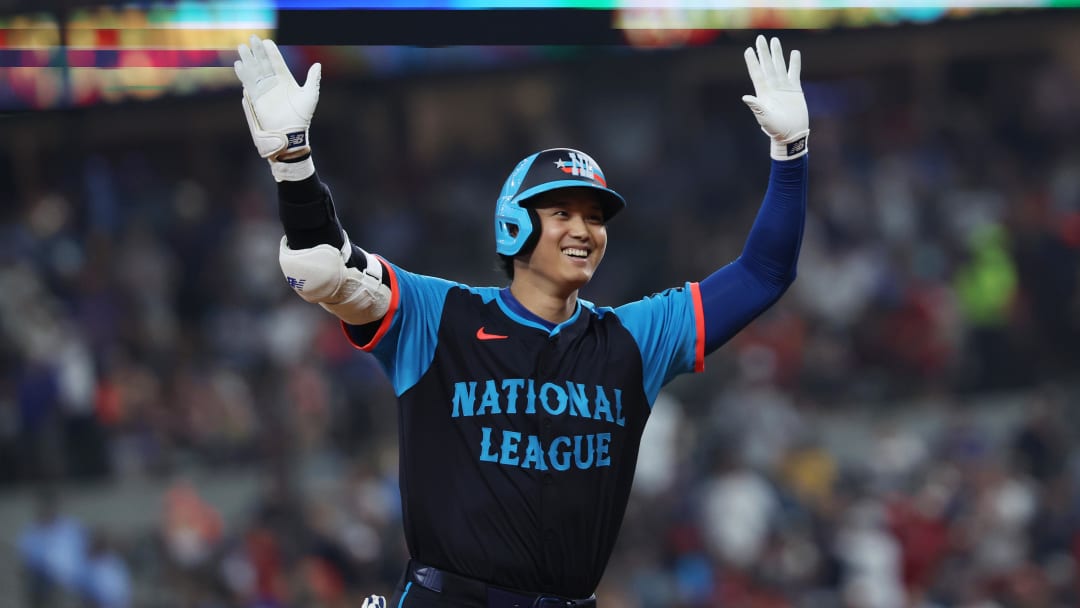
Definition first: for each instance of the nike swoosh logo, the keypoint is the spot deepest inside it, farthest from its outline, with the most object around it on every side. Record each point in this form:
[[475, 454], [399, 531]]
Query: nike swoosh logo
[[483, 335]]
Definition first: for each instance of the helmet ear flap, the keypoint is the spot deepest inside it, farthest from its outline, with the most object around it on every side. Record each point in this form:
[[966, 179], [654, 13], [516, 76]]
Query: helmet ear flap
[[513, 236], [512, 228]]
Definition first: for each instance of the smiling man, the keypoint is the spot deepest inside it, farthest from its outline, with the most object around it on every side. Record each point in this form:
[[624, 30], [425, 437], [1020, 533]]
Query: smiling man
[[521, 408]]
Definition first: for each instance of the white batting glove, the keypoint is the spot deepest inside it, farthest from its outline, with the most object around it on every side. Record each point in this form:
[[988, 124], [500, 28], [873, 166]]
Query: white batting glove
[[374, 601], [778, 102], [278, 110]]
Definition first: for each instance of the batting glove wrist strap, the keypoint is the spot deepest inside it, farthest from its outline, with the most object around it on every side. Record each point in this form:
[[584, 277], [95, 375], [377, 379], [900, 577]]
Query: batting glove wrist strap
[[278, 110], [792, 148], [292, 171], [778, 102]]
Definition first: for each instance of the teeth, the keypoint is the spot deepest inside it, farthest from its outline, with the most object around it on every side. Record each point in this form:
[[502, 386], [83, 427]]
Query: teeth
[[577, 253]]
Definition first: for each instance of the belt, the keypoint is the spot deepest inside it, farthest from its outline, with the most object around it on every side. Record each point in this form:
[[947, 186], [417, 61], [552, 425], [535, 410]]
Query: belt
[[441, 581]]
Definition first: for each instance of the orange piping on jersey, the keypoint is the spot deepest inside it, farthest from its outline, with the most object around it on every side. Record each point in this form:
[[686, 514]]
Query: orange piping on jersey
[[387, 319], [699, 322]]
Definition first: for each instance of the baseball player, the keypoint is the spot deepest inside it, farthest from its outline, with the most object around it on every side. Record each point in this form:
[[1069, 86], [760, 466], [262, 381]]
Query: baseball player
[[521, 408]]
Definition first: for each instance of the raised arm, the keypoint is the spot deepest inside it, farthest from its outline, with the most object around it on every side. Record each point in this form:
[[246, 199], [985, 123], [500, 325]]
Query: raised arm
[[737, 293], [318, 260]]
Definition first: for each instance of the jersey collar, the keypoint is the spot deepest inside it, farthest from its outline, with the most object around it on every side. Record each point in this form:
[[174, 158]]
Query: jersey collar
[[517, 312]]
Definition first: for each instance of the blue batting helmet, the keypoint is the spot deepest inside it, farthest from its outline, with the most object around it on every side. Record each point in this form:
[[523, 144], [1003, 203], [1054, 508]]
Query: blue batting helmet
[[540, 172]]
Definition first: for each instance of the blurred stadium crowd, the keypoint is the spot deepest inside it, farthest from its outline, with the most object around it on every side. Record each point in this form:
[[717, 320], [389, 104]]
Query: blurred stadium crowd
[[895, 432]]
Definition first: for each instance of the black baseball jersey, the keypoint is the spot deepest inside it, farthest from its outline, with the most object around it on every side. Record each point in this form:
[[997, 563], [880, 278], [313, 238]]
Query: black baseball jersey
[[518, 443]]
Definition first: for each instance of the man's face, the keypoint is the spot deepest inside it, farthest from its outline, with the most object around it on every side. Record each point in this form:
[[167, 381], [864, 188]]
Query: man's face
[[572, 238]]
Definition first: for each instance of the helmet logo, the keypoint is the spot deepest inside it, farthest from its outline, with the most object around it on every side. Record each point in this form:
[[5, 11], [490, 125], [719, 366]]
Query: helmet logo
[[581, 165]]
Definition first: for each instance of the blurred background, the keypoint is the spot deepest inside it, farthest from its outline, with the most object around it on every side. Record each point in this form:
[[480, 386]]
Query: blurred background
[[177, 429]]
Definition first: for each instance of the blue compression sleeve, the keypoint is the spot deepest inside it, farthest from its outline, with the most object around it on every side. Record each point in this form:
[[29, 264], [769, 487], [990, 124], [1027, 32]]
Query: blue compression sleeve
[[737, 293]]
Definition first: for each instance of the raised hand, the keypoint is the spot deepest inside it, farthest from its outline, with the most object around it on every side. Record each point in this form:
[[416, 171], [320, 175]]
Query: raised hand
[[778, 102], [278, 110]]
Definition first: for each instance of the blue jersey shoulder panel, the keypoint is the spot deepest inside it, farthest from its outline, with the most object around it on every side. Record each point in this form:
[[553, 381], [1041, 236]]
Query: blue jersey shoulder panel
[[407, 349], [665, 328]]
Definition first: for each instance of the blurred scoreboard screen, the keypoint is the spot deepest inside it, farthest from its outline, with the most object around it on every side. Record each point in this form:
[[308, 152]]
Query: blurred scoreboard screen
[[108, 53], [90, 53]]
